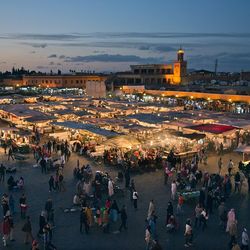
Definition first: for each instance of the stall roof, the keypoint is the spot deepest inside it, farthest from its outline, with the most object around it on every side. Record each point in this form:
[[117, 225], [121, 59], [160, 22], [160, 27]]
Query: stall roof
[[213, 128], [85, 126], [148, 118]]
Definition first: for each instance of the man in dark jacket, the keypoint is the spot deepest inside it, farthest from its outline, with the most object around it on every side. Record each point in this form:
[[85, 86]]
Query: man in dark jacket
[[27, 229]]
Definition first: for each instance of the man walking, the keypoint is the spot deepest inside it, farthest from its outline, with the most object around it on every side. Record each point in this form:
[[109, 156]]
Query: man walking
[[27, 229], [135, 198]]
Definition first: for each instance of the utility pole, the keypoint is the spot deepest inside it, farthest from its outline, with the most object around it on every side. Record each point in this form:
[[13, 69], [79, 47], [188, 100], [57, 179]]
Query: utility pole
[[215, 67]]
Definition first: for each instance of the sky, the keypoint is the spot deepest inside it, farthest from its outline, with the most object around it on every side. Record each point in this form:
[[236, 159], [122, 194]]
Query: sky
[[111, 35]]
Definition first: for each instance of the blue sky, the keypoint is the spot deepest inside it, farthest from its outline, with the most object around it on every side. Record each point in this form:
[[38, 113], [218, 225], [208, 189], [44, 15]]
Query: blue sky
[[109, 35]]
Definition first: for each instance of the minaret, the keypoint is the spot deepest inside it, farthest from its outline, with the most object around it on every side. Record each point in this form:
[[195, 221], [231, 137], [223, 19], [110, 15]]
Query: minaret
[[180, 55], [180, 67]]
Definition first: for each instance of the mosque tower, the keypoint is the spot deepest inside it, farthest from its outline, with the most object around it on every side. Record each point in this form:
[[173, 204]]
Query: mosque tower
[[180, 67]]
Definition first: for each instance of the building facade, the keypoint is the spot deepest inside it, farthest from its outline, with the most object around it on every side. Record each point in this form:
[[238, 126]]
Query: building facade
[[54, 81], [155, 73]]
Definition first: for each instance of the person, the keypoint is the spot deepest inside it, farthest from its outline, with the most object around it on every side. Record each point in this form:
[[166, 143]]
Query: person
[[233, 232], [148, 237], [188, 234], [170, 211], [237, 182], [230, 167], [203, 219], [219, 165], [222, 215], [131, 189], [89, 215], [5, 204], [230, 219], [11, 221], [172, 224], [173, 190], [135, 198], [27, 229], [6, 230], [23, 206], [198, 210], [110, 188], [235, 246], [114, 210], [84, 221], [35, 245], [151, 208], [244, 240], [156, 245], [179, 205], [51, 183], [2, 173], [42, 223], [43, 165], [10, 154], [124, 218]]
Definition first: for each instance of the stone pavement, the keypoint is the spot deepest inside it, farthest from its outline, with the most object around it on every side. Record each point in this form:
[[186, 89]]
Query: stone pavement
[[149, 185]]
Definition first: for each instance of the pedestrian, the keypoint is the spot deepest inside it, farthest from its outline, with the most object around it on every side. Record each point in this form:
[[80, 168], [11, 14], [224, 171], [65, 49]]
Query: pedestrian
[[110, 188], [84, 221], [173, 190], [244, 240], [11, 221], [151, 209], [233, 232], [220, 163], [170, 211], [27, 229], [235, 246], [114, 210], [230, 167], [237, 182], [61, 183], [6, 230], [10, 154], [2, 173], [210, 201], [230, 219], [148, 237], [43, 165], [203, 219], [222, 215], [131, 189], [51, 183], [5, 204], [42, 223], [188, 234], [124, 218], [198, 210], [35, 245], [135, 198], [23, 206], [180, 205]]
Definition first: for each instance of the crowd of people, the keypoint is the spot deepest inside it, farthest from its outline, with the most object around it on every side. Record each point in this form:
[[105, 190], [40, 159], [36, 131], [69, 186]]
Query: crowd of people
[[96, 197]]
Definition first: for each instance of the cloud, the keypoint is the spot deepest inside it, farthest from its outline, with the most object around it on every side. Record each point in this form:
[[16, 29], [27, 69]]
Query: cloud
[[113, 58], [61, 56], [52, 56], [51, 63], [3, 62], [33, 52], [226, 61], [36, 45]]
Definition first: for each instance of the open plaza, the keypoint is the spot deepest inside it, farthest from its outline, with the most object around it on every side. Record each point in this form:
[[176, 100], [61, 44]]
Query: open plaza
[[95, 173]]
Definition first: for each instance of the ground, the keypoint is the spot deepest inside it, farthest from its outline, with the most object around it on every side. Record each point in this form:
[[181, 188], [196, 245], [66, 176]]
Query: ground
[[149, 186]]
